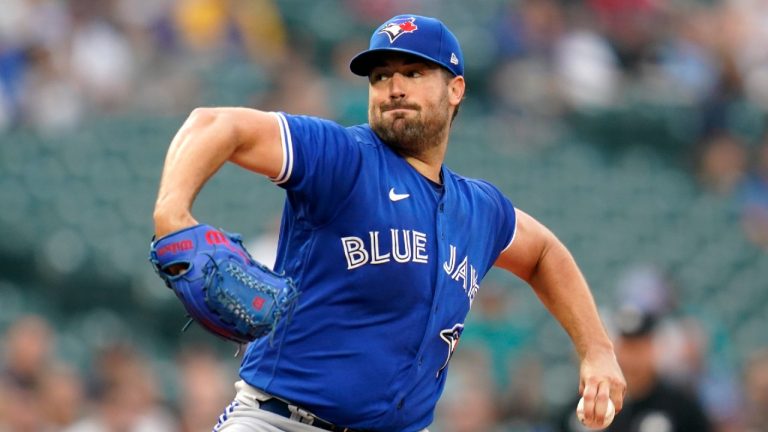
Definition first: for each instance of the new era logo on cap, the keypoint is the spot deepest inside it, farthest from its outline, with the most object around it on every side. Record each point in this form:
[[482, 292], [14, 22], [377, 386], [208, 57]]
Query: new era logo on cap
[[419, 36], [395, 29]]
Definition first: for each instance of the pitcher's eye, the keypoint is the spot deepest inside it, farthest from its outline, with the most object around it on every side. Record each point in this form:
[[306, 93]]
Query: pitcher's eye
[[378, 76]]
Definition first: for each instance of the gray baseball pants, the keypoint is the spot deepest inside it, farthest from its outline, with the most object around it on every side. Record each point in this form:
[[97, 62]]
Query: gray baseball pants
[[244, 415]]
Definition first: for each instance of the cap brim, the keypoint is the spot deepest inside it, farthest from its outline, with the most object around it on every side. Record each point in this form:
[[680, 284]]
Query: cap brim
[[362, 63]]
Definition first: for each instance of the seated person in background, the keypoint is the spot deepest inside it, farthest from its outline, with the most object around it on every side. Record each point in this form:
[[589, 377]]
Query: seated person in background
[[652, 404]]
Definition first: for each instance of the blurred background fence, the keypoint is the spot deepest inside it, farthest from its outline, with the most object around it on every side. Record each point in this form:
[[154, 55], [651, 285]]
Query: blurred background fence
[[636, 130]]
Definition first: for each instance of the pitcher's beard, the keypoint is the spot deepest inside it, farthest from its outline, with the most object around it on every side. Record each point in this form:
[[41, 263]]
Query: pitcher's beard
[[411, 136]]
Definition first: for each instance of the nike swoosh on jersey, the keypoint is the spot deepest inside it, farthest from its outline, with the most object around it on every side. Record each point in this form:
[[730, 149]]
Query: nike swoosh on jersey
[[396, 196]]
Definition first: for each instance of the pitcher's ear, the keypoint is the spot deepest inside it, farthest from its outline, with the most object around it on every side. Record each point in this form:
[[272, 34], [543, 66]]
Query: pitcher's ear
[[456, 89]]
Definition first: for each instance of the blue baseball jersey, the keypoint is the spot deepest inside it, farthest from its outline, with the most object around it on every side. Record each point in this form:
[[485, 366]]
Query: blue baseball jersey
[[388, 264]]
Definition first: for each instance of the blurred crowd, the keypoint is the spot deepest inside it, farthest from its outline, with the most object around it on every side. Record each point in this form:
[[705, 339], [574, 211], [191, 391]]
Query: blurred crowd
[[62, 60], [672, 361], [532, 65], [118, 389]]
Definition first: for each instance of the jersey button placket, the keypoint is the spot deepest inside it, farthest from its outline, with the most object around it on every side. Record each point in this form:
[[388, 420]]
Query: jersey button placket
[[440, 210], [438, 291]]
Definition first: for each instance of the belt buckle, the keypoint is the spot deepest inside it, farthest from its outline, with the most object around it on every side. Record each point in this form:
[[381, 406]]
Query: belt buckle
[[300, 415]]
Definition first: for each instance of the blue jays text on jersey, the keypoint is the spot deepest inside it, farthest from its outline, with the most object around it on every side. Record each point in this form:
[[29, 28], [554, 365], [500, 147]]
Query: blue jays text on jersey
[[387, 263]]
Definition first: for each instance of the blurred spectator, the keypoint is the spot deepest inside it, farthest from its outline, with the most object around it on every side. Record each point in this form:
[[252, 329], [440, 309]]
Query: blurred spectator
[[204, 389], [756, 385], [53, 102], [742, 40], [101, 59], [20, 400], [684, 356], [646, 287], [36, 392], [722, 164], [264, 35], [215, 30], [469, 403], [523, 82], [754, 210], [27, 28], [631, 28], [522, 403], [652, 404], [528, 29], [721, 107], [688, 67], [62, 397], [373, 11], [587, 69], [127, 398], [686, 359], [27, 351], [203, 25], [299, 88]]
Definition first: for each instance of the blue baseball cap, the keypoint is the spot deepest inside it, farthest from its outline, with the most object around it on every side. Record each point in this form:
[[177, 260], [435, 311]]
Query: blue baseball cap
[[421, 36]]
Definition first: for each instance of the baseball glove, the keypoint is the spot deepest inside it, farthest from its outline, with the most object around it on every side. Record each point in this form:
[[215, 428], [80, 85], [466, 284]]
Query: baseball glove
[[220, 285]]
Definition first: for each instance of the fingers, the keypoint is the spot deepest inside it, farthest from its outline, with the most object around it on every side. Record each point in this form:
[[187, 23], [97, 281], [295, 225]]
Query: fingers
[[176, 269], [608, 375], [601, 402], [601, 383], [596, 397], [618, 391]]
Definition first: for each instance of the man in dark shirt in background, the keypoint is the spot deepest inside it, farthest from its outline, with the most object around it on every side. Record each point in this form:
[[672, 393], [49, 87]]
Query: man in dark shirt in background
[[652, 404]]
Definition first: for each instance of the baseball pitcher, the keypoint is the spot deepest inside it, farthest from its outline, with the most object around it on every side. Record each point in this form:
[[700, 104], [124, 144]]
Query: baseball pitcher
[[382, 251]]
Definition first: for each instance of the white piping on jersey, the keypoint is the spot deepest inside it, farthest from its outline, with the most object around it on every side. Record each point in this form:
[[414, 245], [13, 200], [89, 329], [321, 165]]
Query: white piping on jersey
[[514, 234], [287, 145]]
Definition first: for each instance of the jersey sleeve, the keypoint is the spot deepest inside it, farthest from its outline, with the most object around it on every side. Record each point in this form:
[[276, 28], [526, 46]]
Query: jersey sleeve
[[321, 160], [503, 214]]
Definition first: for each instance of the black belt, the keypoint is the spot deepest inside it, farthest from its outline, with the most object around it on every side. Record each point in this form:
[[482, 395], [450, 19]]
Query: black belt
[[281, 408]]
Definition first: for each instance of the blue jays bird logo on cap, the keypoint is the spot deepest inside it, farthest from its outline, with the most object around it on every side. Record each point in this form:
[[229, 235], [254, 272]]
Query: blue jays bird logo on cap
[[395, 29]]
